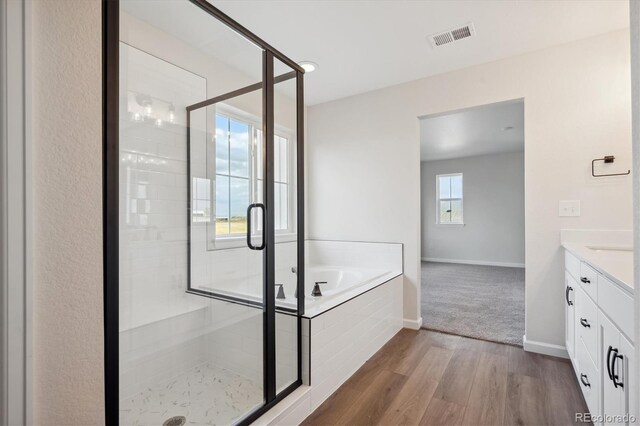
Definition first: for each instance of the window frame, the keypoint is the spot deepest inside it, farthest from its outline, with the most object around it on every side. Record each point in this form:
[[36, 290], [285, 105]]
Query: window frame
[[226, 241], [439, 199], [230, 114]]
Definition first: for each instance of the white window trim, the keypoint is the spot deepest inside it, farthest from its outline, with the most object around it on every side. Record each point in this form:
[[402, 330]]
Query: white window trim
[[438, 199], [239, 240]]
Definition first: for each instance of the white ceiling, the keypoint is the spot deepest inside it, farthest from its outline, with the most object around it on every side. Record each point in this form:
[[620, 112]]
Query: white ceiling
[[475, 131], [367, 45]]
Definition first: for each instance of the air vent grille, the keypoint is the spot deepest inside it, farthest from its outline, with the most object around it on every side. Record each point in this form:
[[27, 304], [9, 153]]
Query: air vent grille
[[443, 38], [452, 35]]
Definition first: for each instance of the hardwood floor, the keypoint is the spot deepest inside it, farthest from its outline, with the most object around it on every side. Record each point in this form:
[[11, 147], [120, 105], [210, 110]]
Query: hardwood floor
[[429, 378]]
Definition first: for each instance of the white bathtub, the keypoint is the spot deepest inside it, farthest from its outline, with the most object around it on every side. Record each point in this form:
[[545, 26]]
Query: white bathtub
[[342, 283], [338, 279]]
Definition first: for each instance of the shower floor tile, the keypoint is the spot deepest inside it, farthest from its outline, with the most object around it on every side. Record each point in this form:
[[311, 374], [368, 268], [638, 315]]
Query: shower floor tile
[[204, 395]]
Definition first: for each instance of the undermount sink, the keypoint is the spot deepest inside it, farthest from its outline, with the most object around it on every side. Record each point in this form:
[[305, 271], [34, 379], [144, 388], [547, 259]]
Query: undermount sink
[[610, 249]]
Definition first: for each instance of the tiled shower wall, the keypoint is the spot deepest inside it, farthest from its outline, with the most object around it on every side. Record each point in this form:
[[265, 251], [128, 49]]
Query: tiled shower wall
[[153, 190]]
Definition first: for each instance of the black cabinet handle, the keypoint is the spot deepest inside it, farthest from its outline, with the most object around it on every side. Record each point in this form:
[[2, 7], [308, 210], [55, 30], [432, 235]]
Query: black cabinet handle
[[609, 362], [566, 295], [614, 376], [585, 280], [585, 323], [585, 382]]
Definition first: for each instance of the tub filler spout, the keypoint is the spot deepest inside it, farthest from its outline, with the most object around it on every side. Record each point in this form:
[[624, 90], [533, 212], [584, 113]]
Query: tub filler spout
[[316, 289]]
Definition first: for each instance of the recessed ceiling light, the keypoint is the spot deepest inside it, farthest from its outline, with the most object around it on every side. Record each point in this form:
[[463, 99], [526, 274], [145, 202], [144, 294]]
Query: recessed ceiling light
[[507, 128], [308, 66]]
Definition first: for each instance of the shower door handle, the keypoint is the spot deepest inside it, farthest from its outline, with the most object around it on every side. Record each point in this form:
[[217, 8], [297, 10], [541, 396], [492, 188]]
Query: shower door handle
[[250, 228]]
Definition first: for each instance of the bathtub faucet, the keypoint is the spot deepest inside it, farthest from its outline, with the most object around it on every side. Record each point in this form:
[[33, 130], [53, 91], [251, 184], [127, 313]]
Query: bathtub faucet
[[316, 289], [280, 294]]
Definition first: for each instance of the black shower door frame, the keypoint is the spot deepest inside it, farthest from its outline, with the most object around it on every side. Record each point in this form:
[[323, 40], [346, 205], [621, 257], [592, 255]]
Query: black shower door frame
[[111, 161]]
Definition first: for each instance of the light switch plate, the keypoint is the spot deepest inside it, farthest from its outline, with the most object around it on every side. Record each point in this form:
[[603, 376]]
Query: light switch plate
[[569, 208]]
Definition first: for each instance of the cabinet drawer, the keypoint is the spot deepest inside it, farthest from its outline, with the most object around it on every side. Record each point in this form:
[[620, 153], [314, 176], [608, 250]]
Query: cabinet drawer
[[587, 378], [587, 324], [589, 280], [572, 265], [616, 304]]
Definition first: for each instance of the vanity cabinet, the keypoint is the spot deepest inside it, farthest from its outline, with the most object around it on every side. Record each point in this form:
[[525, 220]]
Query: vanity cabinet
[[598, 332]]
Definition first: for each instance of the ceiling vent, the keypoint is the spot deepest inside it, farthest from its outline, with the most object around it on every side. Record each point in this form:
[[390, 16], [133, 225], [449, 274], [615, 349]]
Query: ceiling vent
[[452, 35]]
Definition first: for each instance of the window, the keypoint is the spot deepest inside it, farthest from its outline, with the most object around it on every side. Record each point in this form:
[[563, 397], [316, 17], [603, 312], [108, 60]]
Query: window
[[281, 172], [449, 199], [239, 177], [232, 175]]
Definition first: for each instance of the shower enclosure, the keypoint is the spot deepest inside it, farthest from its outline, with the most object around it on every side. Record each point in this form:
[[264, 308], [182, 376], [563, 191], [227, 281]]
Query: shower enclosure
[[203, 216]]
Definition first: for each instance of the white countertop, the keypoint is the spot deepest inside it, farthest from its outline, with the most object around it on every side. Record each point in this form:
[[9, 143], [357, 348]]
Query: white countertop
[[614, 262]]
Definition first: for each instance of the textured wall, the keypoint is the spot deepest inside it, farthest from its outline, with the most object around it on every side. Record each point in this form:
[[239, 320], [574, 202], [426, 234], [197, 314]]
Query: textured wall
[[364, 158], [67, 180], [493, 210]]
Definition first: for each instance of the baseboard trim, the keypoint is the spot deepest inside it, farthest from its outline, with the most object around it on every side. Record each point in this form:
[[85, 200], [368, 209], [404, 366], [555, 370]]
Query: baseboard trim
[[544, 348], [474, 262], [412, 324]]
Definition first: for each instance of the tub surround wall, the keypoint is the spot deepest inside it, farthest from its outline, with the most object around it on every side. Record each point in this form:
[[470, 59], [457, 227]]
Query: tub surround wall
[[355, 254], [365, 173], [343, 338], [340, 341]]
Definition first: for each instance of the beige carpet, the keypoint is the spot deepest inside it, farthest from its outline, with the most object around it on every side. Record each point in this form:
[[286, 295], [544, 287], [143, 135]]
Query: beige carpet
[[484, 302]]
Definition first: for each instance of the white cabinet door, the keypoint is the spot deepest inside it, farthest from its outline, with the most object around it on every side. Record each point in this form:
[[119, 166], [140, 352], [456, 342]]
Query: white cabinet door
[[569, 323], [628, 375], [612, 391]]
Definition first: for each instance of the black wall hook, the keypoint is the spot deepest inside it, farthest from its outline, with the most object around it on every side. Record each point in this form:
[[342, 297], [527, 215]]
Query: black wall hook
[[607, 159]]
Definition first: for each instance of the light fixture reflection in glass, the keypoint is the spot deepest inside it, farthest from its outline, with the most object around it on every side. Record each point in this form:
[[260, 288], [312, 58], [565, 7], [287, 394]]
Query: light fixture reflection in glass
[[159, 122]]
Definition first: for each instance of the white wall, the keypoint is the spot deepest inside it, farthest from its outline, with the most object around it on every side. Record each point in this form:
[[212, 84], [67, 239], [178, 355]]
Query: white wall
[[364, 158], [67, 213], [493, 210]]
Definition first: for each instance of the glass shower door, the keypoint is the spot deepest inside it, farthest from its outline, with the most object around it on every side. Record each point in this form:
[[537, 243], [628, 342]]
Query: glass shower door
[[191, 310], [209, 202]]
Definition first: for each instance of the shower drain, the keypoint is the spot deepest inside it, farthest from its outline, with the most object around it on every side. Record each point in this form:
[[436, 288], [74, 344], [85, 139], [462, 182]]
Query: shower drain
[[175, 421]]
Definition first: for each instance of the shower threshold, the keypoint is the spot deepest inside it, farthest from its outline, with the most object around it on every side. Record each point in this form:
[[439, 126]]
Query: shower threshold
[[203, 395]]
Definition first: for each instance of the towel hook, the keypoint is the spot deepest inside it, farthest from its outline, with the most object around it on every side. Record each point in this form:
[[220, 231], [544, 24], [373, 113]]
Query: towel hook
[[607, 159]]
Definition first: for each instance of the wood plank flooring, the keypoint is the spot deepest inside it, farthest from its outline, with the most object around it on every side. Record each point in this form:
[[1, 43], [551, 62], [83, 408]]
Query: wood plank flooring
[[430, 378]]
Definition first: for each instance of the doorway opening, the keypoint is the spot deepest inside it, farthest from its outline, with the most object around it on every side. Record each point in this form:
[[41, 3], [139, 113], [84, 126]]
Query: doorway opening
[[473, 222]]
